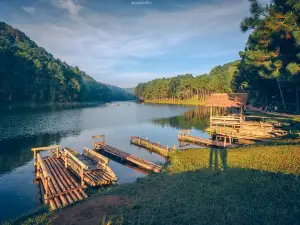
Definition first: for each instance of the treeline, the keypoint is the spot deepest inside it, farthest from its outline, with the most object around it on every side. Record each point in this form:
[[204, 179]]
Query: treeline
[[120, 94], [182, 87], [268, 69], [270, 64], [28, 73]]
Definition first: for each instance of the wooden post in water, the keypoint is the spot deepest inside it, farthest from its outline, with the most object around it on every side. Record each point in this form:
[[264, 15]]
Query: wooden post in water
[[174, 147], [210, 117]]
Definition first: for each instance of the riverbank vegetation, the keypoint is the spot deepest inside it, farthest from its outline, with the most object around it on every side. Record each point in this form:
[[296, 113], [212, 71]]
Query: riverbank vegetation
[[187, 88], [28, 73], [256, 184], [268, 69]]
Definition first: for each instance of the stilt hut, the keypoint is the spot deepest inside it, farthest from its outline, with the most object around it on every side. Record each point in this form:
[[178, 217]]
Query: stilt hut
[[235, 125]]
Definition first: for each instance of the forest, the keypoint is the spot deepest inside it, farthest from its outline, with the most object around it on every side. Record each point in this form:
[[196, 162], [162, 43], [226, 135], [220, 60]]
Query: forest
[[28, 73], [268, 68], [187, 86]]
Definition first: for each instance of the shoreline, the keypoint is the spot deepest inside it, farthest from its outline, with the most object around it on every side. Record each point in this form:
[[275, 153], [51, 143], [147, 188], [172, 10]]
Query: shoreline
[[57, 104], [189, 102], [271, 167]]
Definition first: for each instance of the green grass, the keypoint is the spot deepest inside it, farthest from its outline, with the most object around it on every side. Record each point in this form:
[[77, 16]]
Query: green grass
[[278, 159], [249, 185]]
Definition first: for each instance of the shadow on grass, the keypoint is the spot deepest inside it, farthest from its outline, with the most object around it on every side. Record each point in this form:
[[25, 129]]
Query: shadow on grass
[[213, 158], [236, 196]]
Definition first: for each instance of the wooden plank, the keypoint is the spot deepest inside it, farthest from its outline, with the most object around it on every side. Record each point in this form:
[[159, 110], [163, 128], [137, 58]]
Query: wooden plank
[[155, 147], [45, 148], [45, 170], [95, 155], [68, 153], [130, 158], [75, 183]]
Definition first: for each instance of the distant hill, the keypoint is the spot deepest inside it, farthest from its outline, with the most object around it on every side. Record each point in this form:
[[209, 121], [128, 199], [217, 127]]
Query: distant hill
[[28, 73], [120, 94], [130, 90]]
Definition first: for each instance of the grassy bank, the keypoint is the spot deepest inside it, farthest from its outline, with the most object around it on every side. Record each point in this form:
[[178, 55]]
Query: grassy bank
[[252, 185], [192, 101]]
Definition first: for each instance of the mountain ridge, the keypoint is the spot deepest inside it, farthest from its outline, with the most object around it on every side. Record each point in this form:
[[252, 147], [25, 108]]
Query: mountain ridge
[[29, 73]]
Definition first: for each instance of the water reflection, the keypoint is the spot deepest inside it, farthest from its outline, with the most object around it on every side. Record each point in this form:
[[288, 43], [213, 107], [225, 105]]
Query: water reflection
[[17, 152], [197, 118], [73, 126]]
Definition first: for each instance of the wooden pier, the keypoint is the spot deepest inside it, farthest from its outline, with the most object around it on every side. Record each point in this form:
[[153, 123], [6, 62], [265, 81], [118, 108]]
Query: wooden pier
[[155, 147], [60, 187], [221, 141], [91, 167], [123, 156], [238, 127]]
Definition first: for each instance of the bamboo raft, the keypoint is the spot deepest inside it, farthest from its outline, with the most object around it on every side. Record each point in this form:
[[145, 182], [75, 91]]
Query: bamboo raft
[[95, 171], [60, 188], [124, 156], [238, 127], [221, 141], [155, 147]]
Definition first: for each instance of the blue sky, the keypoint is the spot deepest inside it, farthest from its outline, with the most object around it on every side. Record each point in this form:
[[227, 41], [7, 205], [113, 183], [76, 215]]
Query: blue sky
[[121, 43]]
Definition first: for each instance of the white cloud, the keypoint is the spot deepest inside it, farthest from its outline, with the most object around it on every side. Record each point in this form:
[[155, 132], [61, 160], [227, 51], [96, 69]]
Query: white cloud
[[28, 9], [100, 43], [72, 6]]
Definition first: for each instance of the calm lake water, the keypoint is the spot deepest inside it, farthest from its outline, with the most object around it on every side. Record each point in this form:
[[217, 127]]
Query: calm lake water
[[23, 129]]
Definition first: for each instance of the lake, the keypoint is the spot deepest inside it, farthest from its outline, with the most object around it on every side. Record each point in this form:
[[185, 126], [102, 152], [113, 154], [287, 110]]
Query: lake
[[73, 126]]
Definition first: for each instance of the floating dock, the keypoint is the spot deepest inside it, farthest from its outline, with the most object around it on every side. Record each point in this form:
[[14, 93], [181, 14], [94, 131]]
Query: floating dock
[[221, 141], [155, 147], [90, 166], [124, 156], [238, 127], [60, 187]]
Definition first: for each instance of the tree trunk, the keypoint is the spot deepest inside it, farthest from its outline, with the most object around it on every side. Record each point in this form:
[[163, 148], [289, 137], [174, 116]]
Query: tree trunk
[[297, 98], [281, 94]]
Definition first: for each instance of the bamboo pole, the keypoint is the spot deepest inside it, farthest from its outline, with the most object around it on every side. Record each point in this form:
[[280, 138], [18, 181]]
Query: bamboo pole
[[50, 201], [67, 181], [68, 153], [35, 150], [95, 155], [61, 181], [55, 187], [79, 193]]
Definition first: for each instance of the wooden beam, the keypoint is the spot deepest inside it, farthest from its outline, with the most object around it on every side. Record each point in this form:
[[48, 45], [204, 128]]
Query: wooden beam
[[45, 148], [68, 153], [35, 150]]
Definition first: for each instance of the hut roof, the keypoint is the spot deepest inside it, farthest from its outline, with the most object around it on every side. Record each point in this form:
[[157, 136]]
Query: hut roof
[[227, 100]]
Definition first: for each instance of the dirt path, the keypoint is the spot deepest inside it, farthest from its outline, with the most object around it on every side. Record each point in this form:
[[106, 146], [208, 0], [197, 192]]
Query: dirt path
[[272, 113], [91, 211]]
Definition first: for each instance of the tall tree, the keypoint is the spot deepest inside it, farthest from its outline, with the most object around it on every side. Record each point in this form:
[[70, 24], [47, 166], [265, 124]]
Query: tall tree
[[273, 48]]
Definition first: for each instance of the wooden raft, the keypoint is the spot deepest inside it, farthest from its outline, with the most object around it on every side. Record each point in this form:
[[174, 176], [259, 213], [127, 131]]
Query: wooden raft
[[155, 147], [221, 141], [91, 167], [238, 127], [60, 188], [124, 156]]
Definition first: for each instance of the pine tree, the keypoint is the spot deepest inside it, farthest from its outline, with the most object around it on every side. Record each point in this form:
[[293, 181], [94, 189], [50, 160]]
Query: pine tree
[[273, 48]]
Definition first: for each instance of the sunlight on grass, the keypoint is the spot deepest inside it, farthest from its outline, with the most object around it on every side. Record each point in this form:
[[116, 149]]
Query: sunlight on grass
[[283, 159]]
